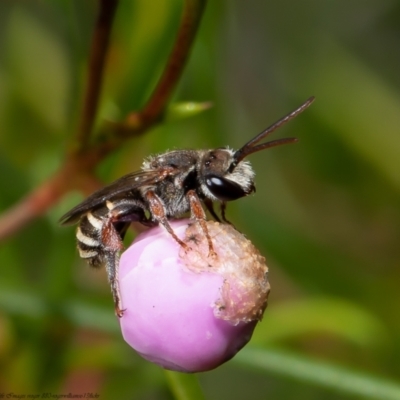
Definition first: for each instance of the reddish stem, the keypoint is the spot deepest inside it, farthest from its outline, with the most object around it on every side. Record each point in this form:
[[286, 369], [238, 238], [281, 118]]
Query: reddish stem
[[99, 47], [190, 20], [77, 171]]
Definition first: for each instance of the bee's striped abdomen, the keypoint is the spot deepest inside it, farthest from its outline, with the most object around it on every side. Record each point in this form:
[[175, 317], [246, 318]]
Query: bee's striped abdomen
[[88, 237]]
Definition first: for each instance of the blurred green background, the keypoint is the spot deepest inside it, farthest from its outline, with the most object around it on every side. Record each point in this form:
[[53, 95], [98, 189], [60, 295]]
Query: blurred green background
[[326, 214]]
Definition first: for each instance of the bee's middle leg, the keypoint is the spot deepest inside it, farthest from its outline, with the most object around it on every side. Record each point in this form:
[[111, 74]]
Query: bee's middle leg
[[198, 214], [157, 210]]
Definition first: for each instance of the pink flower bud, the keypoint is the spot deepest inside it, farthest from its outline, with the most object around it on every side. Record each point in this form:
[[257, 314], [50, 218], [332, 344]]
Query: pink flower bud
[[187, 310]]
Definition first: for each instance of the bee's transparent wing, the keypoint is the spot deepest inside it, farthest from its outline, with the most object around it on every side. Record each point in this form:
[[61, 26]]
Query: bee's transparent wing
[[121, 186]]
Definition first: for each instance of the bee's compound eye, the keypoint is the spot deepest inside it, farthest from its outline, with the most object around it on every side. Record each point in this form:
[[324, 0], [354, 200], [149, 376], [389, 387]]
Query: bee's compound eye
[[224, 189]]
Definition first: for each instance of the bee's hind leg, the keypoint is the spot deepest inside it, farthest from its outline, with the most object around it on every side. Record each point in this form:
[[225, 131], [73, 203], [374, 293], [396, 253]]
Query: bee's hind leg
[[111, 264], [120, 215], [112, 245]]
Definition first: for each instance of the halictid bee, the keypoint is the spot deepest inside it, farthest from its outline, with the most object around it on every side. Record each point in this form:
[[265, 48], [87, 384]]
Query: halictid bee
[[167, 186]]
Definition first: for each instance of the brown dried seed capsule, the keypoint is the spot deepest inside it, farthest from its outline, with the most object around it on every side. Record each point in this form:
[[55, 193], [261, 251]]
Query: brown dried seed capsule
[[245, 290]]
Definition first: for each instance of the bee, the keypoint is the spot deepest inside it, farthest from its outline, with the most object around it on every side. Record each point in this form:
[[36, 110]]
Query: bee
[[167, 186]]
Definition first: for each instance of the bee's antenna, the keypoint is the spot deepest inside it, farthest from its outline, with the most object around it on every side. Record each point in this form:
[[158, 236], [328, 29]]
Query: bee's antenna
[[250, 147]]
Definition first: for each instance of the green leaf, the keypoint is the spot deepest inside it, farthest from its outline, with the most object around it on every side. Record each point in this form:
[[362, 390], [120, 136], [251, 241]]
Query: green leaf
[[318, 373], [186, 109], [333, 316]]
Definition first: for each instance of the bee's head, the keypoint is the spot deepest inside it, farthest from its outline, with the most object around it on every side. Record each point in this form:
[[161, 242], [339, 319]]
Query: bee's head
[[223, 182], [227, 176]]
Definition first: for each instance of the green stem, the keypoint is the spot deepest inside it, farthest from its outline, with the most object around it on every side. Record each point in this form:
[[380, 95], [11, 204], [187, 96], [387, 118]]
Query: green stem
[[184, 386]]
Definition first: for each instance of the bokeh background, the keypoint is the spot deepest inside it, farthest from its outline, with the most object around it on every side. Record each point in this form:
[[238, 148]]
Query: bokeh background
[[326, 213]]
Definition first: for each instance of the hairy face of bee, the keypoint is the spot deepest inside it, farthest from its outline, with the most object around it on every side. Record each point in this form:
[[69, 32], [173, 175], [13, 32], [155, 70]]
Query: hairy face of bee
[[220, 181]]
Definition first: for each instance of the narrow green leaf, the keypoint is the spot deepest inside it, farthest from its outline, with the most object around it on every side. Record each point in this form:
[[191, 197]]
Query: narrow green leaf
[[318, 373], [79, 313], [335, 316]]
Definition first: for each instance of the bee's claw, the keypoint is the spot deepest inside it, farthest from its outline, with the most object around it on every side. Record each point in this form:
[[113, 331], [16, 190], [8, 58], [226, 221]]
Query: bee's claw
[[212, 253], [186, 248], [119, 313]]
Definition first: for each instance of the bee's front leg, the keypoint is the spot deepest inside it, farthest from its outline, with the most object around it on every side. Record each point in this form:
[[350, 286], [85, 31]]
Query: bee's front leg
[[223, 211], [210, 207]]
